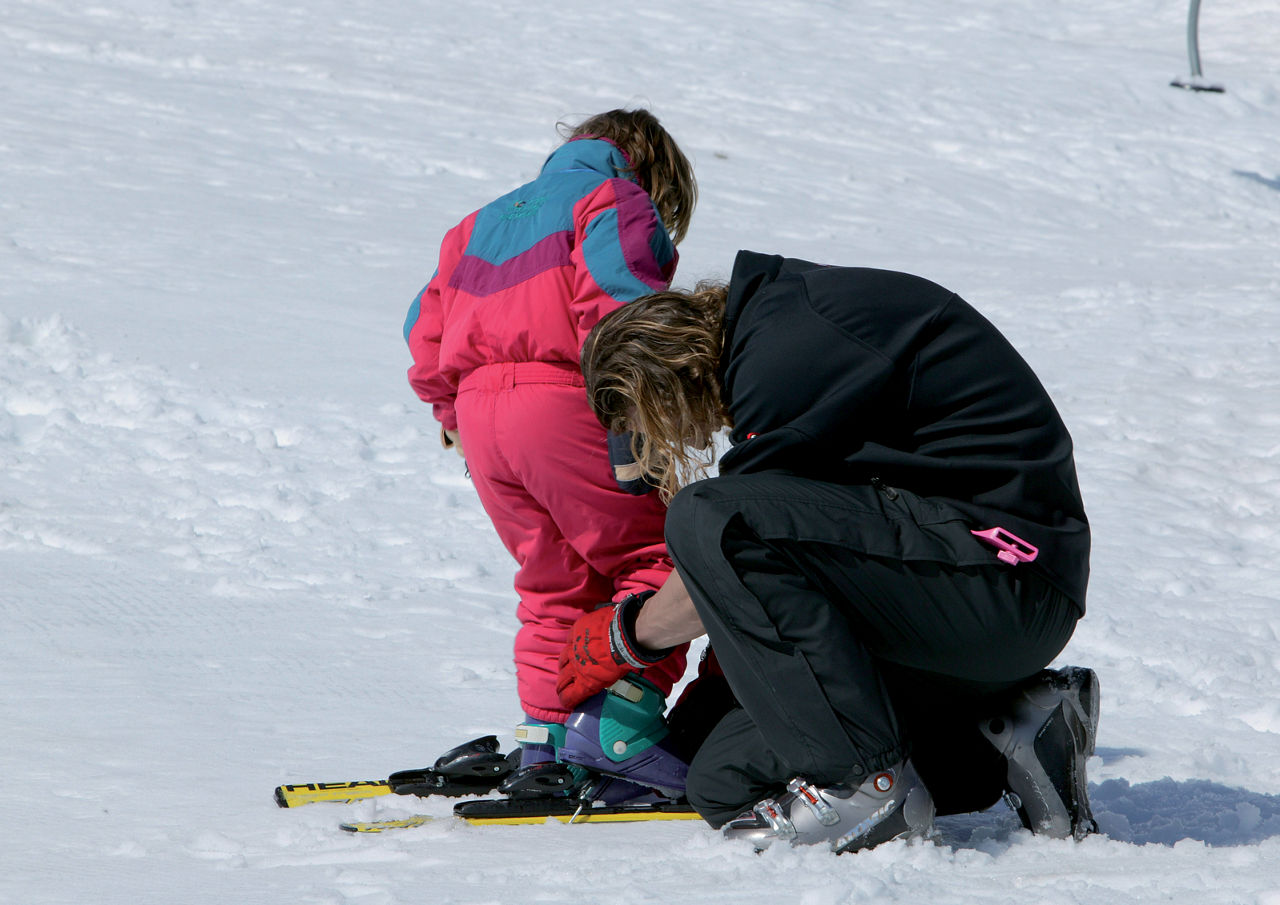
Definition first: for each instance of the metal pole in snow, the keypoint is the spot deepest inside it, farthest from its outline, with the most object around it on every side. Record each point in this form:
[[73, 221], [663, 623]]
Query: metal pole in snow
[[1193, 38], [1193, 52]]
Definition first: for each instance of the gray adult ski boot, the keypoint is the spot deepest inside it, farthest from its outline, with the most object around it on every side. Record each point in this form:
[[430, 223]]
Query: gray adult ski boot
[[891, 804], [1047, 734]]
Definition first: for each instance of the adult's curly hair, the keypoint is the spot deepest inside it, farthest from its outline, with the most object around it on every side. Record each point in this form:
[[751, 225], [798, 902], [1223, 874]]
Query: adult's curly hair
[[650, 368]]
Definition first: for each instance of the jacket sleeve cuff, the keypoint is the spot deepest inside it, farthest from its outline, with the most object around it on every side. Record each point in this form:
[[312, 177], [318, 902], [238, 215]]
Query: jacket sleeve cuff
[[626, 470], [622, 635]]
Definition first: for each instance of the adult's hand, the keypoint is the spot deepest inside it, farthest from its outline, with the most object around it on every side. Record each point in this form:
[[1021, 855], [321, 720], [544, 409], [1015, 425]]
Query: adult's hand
[[601, 649]]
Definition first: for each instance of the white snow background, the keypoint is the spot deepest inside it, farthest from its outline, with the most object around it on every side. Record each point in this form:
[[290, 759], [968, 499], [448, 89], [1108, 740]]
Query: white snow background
[[232, 554]]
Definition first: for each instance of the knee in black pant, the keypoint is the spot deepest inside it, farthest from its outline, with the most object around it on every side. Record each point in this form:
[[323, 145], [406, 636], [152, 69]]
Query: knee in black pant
[[733, 770], [719, 791], [701, 795], [687, 515]]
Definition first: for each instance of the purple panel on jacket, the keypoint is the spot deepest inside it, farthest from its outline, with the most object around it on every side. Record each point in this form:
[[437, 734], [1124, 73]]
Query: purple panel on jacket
[[637, 224], [477, 276]]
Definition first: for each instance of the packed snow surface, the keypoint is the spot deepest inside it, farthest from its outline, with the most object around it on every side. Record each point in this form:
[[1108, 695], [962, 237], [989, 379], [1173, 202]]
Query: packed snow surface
[[232, 554]]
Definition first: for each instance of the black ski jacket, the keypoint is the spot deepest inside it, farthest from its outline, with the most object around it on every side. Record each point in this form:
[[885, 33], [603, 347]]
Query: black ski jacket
[[860, 376]]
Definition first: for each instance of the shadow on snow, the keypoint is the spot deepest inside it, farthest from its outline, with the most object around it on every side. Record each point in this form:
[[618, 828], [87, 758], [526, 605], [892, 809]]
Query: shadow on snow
[[1163, 812], [1258, 178]]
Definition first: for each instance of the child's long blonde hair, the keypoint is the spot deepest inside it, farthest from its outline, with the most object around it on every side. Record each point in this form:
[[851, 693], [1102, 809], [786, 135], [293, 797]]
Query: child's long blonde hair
[[657, 163], [650, 367]]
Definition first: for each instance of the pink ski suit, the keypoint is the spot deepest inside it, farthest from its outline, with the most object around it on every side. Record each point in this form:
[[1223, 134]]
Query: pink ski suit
[[495, 338]]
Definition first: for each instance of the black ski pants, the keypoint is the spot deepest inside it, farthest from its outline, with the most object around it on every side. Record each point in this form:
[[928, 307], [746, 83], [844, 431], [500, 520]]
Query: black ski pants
[[843, 661]]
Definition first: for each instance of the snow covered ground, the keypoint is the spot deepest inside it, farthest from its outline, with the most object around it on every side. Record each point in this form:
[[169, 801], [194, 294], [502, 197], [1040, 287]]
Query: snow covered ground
[[232, 554]]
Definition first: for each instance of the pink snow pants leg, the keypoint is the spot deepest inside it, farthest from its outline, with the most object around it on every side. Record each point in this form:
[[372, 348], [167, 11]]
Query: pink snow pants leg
[[539, 462]]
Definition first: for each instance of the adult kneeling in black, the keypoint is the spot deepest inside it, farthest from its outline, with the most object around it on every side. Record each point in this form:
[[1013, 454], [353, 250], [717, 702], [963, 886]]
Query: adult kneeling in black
[[893, 551]]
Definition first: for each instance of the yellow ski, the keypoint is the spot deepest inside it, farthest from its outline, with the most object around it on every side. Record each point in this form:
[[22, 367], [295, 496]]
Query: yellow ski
[[600, 815], [378, 826], [587, 816], [305, 793]]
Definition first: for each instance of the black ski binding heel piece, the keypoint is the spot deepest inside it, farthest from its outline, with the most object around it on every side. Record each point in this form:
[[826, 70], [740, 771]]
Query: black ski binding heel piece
[[546, 780], [474, 768]]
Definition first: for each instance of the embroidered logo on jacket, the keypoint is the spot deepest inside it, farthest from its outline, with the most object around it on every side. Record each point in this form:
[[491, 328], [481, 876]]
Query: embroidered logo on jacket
[[524, 208]]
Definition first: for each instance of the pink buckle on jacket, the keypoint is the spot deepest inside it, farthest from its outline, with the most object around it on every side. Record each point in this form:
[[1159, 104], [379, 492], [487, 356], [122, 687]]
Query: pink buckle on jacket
[[1013, 549]]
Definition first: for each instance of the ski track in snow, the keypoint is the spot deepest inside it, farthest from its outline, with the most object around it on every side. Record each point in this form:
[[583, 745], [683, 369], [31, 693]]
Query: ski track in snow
[[232, 554]]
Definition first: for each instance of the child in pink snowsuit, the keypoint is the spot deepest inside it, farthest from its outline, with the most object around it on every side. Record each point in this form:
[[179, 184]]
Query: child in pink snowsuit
[[495, 338]]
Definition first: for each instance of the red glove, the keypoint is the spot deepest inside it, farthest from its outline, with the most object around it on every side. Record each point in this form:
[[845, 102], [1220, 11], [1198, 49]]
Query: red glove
[[602, 649]]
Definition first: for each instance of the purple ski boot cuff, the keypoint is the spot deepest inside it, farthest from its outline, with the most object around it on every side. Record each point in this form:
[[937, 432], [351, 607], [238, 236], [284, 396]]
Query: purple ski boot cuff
[[621, 732]]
